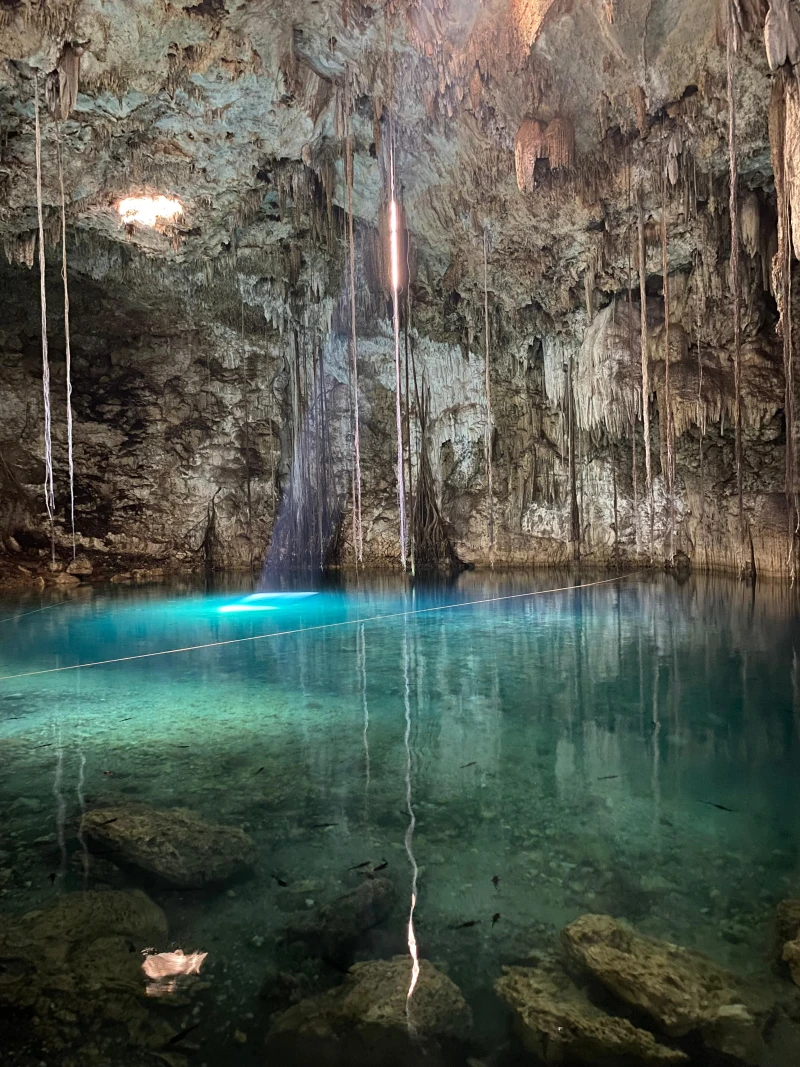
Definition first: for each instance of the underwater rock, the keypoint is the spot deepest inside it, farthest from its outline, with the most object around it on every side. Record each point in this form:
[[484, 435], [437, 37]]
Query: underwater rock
[[77, 965], [332, 930], [176, 845], [682, 991], [363, 1022], [791, 955], [558, 1023], [787, 927]]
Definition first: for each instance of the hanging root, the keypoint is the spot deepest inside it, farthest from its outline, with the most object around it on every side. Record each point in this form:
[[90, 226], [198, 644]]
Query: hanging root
[[733, 37], [49, 494], [489, 426], [645, 364], [67, 343], [670, 422], [358, 534], [575, 518]]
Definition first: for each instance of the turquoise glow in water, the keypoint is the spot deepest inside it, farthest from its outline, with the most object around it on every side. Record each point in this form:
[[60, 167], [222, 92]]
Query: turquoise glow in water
[[629, 748]]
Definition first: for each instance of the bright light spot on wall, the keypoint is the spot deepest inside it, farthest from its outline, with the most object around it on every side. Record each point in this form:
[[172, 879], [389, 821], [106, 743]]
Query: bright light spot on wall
[[149, 210]]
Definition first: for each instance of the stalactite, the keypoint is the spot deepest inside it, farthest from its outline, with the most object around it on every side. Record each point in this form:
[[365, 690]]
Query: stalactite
[[645, 363], [358, 535], [735, 281], [488, 386], [670, 424], [49, 493], [67, 341]]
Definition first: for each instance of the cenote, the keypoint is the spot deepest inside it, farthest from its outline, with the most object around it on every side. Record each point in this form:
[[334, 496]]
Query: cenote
[[399, 533], [540, 749]]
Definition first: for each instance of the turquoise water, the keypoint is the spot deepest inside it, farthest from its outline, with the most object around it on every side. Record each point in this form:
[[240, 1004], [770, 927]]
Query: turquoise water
[[629, 748]]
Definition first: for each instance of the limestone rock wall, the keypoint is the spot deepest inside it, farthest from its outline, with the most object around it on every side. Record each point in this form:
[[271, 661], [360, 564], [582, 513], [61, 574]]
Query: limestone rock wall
[[211, 358]]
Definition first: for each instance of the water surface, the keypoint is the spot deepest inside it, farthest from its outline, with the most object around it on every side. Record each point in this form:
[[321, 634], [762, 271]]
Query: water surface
[[629, 748]]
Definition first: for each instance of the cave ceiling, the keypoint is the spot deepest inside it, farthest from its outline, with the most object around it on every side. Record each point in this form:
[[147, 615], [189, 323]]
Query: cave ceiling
[[234, 106]]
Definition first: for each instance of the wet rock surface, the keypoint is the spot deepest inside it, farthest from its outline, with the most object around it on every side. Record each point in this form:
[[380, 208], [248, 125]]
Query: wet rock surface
[[557, 1022], [787, 937], [681, 992], [76, 965], [368, 1020], [173, 845], [332, 930]]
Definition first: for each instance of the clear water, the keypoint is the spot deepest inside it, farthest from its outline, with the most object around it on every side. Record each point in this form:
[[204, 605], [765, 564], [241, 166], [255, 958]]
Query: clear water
[[629, 748]]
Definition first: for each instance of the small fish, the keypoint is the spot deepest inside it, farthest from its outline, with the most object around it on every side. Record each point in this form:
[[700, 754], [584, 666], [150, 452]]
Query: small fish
[[466, 925], [360, 866], [109, 821], [52, 878], [496, 917], [48, 745], [182, 1034], [108, 774], [473, 764], [496, 881], [322, 825], [719, 807], [126, 719], [607, 777], [381, 866], [260, 769], [184, 746], [280, 881]]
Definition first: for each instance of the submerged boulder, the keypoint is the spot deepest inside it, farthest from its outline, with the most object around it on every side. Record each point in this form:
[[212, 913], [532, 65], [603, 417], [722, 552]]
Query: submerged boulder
[[333, 930], [787, 936], [176, 846], [683, 992], [77, 965], [791, 955], [368, 1020], [557, 1022]]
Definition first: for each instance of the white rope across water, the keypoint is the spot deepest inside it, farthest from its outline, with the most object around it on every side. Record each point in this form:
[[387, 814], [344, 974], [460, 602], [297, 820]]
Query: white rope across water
[[49, 493], [311, 629]]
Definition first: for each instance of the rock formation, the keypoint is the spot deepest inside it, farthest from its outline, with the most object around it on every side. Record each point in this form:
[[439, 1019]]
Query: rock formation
[[76, 965], [333, 929], [175, 846], [620, 999], [558, 1023], [680, 991], [366, 1020], [211, 361]]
